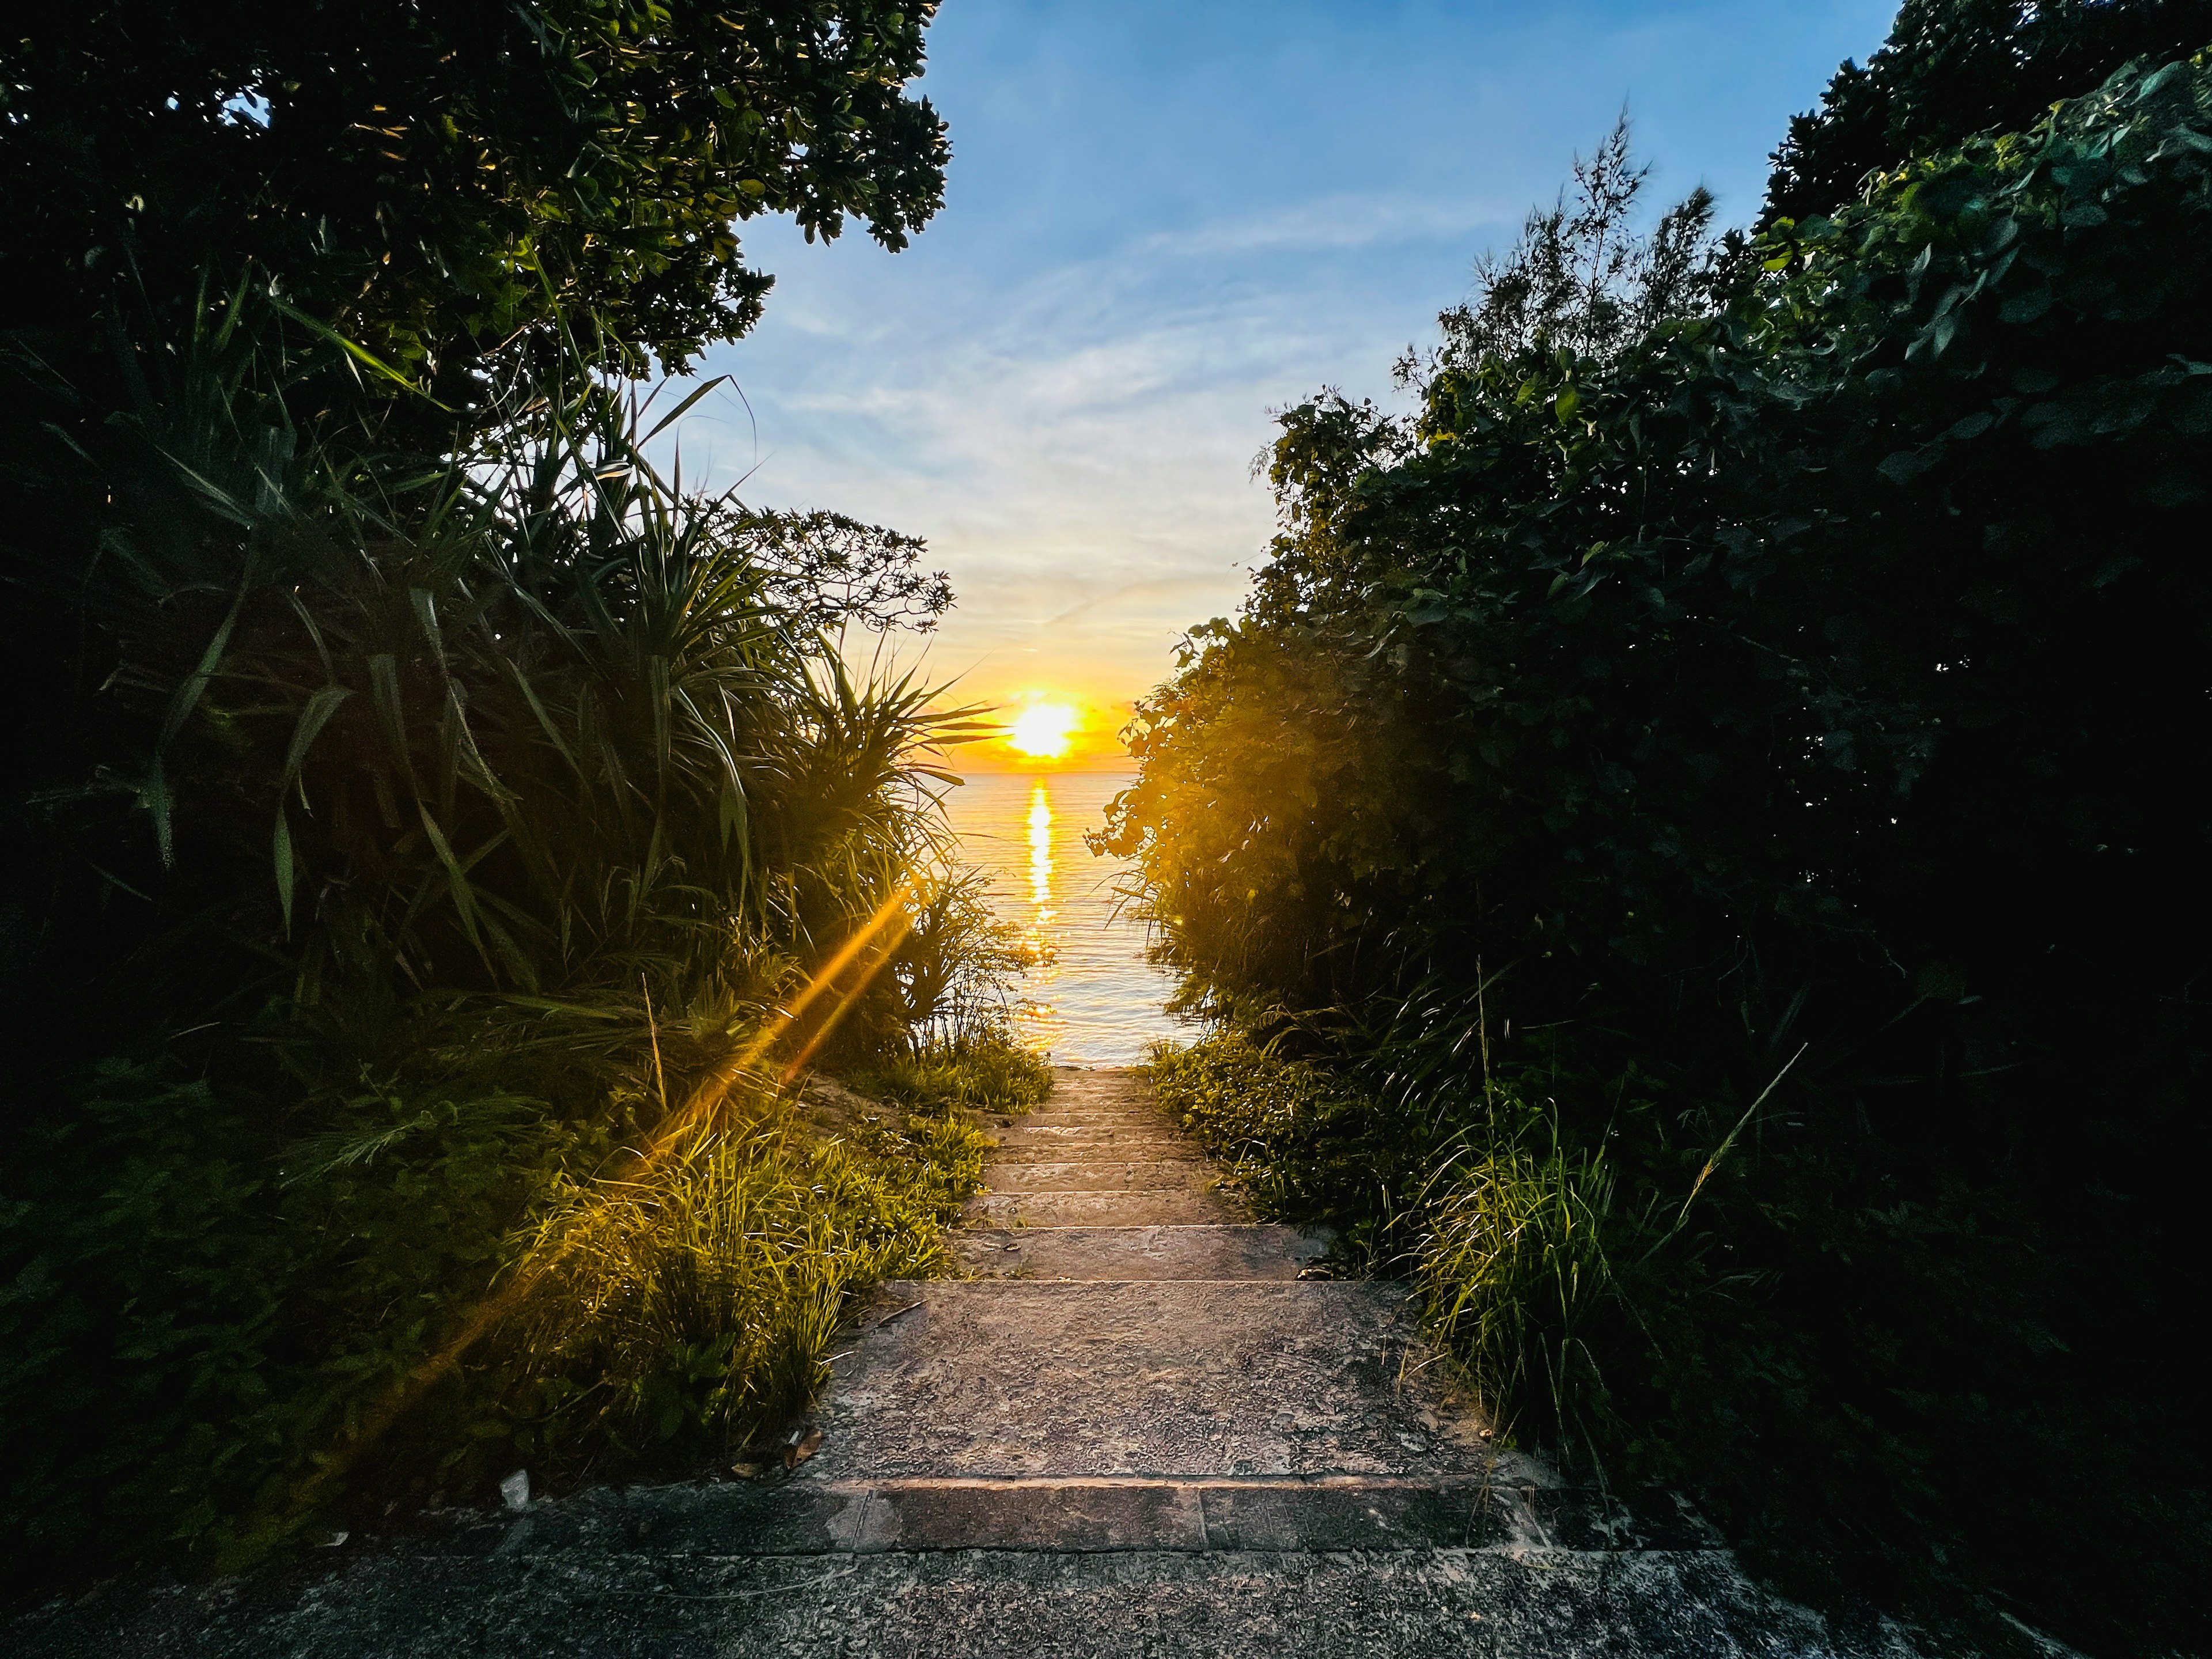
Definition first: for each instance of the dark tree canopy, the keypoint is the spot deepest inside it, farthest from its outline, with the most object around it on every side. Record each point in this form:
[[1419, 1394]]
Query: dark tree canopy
[[1803, 676], [1582, 277], [1953, 68], [434, 179]]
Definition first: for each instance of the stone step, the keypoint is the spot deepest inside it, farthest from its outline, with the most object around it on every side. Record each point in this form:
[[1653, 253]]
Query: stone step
[[1162, 1151], [1071, 1136], [1177, 1207], [1113, 1117], [1276, 1516], [1106, 1174], [519, 1592], [1122, 1254], [1099, 1514], [999, 1378]]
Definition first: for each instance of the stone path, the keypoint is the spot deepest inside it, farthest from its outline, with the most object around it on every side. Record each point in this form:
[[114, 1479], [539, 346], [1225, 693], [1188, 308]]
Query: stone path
[[1145, 1426]]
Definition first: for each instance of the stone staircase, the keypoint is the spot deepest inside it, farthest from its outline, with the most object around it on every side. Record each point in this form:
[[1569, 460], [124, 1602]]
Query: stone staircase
[[1144, 1426]]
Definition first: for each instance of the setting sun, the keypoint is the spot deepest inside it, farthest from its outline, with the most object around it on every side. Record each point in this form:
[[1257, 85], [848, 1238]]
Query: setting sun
[[1043, 731]]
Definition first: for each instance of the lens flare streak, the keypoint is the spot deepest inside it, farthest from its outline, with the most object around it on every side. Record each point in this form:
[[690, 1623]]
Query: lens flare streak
[[702, 1110]]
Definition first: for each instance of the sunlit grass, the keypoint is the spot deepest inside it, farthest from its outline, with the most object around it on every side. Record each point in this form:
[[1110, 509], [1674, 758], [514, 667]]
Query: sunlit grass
[[987, 1071], [697, 1306]]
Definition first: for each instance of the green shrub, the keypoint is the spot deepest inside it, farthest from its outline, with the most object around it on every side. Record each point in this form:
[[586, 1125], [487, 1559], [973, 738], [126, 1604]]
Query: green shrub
[[196, 1310], [1513, 1266], [1801, 674], [216, 1340], [984, 1068], [1301, 1144], [677, 1310], [442, 826]]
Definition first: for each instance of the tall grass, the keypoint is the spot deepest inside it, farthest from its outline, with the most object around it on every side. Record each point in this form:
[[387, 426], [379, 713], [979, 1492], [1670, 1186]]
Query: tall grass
[[695, 1304], [1514, 1267], [453, 853], [1510, 1234]]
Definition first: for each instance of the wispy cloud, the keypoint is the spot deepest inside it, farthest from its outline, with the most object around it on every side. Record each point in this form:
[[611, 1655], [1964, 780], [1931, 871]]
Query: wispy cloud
[[1164, 223], [1078, 446], [1342, 222]]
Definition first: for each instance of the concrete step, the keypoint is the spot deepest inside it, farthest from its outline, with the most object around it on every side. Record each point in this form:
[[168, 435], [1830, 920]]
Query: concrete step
[[1105, 1117], [1096, 1209], [1160, 1151], [643, 1585], [1072, 1136], [1046, 1126], [1345, 1513], [779, 1516], [1105, 1175], [1108, 1083], [998, 1377], [1122, 1254]]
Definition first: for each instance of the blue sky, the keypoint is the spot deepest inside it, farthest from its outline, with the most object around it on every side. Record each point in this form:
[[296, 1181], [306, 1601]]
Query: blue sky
[[1161, 222]]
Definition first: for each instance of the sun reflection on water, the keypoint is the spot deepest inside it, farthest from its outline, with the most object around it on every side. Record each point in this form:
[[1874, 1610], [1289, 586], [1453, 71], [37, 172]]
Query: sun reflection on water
[[1040, 853], [1090, 997]]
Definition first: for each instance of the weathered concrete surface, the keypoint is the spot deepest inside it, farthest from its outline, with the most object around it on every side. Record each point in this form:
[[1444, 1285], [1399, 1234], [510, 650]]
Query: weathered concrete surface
[[1140, 1252], [1152, 1149], [992, 1604], [1099, 1153], [1160, 1207], [1055, 1136], [1103, 1175], [1015, 1377], [1137, 1432]]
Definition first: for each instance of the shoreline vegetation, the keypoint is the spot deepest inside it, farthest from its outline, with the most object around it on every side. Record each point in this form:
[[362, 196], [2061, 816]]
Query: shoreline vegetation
[[1691, 854], [1688, 849], [444, 849], [462, 1131]]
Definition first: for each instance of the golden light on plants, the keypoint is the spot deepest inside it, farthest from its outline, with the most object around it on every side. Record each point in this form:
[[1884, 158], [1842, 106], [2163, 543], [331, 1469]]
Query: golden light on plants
[[685, 1128], [1043, 731]]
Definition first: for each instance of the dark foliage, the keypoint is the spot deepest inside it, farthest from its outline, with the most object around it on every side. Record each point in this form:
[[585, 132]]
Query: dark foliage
[[419, 805], [477, 197], [1953, 68], [1805, 682], [434, 180], [435, 827]]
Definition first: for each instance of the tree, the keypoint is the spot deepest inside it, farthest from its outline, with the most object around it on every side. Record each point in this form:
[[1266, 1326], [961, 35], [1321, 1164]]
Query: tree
[[1952, 68], [1583, 277], [434, 180], [1818, 673]]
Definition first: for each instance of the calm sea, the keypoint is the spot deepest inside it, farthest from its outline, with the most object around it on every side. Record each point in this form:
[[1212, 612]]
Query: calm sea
[[1092, 1000]]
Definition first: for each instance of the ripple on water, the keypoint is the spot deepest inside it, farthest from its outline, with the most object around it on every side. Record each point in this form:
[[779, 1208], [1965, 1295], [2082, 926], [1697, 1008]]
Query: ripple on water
[[1093, 1001]]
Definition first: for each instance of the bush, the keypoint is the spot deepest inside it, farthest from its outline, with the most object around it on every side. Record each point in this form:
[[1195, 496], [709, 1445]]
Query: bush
[[1300, 1142], [983, 1068], [676, 1311], [207, 1330], [443, 829], [1759, 731], [197, 1310]]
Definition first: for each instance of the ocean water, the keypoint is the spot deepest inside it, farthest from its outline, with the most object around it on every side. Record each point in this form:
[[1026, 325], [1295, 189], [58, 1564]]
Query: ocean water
[[1092, 1000]]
